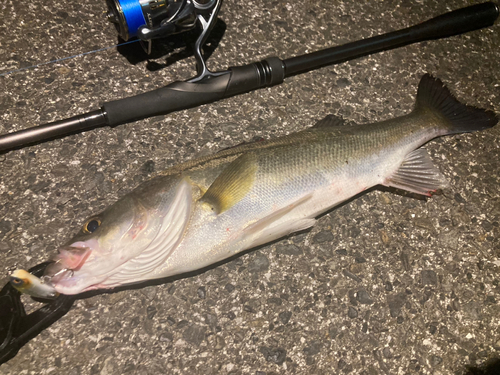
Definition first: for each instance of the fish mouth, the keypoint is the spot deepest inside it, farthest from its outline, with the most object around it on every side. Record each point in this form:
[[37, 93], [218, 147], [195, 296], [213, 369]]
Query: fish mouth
[[66, 262]]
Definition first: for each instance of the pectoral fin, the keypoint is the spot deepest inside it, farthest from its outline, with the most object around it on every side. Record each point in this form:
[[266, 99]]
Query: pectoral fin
[[232, 184], [278, 224], [417, 174]]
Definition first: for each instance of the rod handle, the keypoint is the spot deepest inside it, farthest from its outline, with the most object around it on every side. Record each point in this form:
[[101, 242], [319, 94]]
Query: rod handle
[[183, 95]]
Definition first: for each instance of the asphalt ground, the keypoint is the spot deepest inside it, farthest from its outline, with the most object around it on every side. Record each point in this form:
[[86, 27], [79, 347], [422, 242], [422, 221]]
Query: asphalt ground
[[388, 283]]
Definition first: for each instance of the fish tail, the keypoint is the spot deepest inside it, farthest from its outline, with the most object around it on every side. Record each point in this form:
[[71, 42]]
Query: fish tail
[[433, 95]]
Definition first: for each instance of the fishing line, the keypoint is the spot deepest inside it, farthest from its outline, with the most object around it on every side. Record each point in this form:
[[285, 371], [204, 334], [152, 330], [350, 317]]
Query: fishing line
[[66, 58]]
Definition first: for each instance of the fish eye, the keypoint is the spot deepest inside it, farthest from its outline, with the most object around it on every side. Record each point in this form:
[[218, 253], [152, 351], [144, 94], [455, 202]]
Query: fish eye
[[91, 225]]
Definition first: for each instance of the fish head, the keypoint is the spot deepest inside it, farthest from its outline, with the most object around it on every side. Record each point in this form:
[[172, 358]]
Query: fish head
[[104, 242], [127, 241]]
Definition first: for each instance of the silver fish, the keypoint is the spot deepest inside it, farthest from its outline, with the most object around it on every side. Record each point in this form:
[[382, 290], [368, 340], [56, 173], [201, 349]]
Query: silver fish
[[206, 210]]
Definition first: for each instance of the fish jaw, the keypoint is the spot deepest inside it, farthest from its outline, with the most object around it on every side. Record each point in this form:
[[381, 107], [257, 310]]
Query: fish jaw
[[64, 272], [70, 283]]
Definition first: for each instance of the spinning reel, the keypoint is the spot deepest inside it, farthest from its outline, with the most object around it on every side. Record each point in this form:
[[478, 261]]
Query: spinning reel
[[155, 19]]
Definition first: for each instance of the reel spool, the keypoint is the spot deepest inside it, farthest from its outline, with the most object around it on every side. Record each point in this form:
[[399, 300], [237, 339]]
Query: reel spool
[[155, 19]]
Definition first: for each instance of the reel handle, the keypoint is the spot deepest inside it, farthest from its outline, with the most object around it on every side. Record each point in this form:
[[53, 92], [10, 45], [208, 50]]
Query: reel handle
[[155, 19]]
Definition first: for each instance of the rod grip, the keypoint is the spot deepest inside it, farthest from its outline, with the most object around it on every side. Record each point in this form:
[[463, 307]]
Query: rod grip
[[173, 97], [183, 95]]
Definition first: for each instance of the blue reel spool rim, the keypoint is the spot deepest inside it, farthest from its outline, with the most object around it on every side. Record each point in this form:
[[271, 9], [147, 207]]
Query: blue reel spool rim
[[132, 11]]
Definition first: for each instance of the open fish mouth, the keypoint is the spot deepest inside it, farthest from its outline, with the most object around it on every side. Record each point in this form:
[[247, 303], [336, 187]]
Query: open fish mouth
[[66, 262]]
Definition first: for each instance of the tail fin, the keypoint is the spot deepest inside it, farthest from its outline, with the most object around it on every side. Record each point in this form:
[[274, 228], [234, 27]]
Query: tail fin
[[433, 95]]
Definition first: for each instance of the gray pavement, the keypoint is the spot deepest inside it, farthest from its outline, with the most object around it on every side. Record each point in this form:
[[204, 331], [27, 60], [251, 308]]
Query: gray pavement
[[389, 283]]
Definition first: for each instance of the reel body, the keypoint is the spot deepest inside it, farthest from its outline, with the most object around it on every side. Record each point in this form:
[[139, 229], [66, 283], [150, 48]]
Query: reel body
[[155, 19]]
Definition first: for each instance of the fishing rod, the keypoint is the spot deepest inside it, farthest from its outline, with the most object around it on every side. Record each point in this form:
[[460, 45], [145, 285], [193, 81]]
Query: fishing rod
[[159, 18], [132, 19]]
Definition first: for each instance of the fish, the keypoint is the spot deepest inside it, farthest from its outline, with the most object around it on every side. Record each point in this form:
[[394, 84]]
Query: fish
[[205, 210], [28, 283]]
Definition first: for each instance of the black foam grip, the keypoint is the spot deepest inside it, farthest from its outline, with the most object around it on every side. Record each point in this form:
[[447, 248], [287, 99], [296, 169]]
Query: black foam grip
[[182, 95], [174, 97]]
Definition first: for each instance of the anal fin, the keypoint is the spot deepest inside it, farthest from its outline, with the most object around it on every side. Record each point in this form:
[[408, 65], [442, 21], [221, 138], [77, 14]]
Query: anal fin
[[417, 174]]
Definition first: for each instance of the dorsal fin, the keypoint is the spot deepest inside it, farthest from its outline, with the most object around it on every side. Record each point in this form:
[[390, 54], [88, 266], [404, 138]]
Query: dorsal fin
[[232, 184], [329, 121], [255, 139]]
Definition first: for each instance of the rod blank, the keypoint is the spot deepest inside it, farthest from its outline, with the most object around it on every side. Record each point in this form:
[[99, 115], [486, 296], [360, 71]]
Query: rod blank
[[452, 23]]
